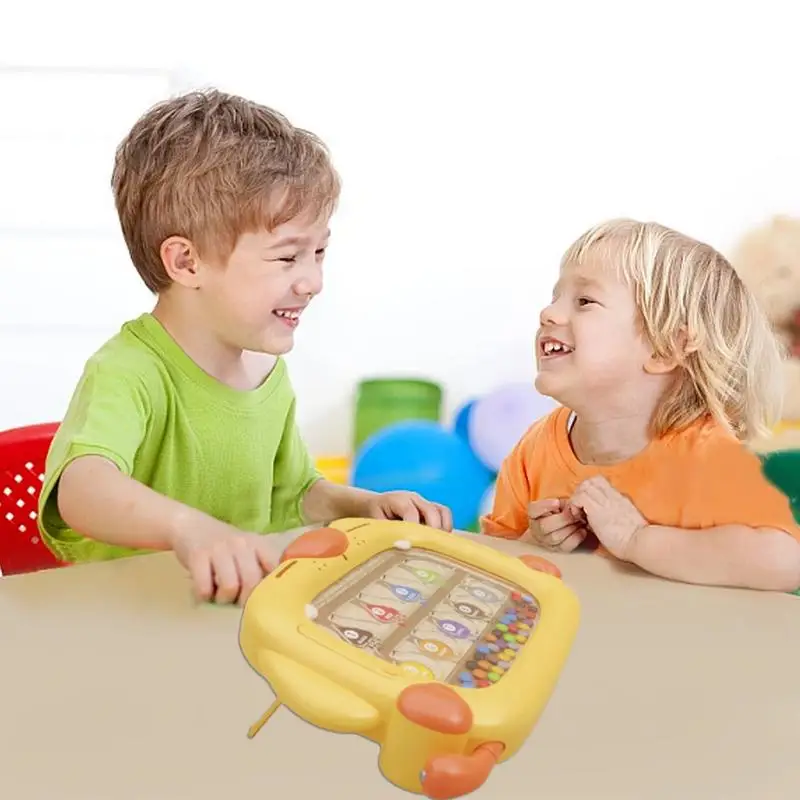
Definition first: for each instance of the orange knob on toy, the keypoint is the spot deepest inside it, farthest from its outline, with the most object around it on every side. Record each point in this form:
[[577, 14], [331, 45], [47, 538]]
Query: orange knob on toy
[[320, 543], [452, 776], [541, 565], [436, 707]]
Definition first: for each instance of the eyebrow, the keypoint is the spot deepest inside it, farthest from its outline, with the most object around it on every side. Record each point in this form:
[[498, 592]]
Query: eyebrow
[[287, 241], [582, 282], [589, 283]]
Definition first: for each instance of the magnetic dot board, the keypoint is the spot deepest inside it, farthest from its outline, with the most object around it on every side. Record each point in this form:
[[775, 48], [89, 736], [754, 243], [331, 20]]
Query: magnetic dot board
[[431, 615]]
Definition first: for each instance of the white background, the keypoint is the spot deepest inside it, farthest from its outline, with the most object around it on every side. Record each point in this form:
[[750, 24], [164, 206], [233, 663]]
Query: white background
[[475, 141]]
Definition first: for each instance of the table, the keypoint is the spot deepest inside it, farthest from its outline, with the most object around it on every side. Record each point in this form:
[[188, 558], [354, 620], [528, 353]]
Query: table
[[115, 685]]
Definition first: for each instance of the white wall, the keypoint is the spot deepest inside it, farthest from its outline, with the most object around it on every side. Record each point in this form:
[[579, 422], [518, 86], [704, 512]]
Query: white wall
[[474, 145]]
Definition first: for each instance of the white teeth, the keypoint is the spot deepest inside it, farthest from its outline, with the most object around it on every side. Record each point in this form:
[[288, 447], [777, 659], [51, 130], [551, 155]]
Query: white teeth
[[289, 314], [555, 347]]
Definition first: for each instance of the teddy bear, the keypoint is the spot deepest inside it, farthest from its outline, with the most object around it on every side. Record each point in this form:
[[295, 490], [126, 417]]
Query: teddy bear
[[767, 258]]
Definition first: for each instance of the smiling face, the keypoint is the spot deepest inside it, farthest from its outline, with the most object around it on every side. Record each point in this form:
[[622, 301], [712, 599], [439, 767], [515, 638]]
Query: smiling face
[[255, 301], [590, 350]]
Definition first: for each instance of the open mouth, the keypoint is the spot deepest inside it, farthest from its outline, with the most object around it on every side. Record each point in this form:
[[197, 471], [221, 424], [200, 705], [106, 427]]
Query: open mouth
[[553, 348], [289, 316]]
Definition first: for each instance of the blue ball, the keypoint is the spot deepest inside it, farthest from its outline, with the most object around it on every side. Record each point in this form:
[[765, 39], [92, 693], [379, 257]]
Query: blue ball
[[423, 457], [461, 421]]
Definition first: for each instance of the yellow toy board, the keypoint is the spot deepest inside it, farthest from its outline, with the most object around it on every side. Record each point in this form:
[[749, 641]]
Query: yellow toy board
[[440, 649]]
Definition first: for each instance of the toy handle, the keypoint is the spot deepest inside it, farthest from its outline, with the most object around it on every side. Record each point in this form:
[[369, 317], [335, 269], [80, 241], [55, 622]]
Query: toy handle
[[449, 776], [315, 697]]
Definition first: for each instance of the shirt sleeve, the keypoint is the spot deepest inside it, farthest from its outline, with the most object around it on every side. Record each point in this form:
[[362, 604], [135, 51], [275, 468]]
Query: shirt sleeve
[[509, 515], [293, 476], [731, 488], [107, 416]]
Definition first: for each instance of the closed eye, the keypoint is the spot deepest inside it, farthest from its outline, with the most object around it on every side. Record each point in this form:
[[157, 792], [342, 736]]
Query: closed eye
[[291, 259]]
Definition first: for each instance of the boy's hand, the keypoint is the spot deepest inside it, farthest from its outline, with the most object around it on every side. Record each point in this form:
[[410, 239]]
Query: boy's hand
[[325, 501], [554, 524], [612, 517], [410, 507], [225, 564]]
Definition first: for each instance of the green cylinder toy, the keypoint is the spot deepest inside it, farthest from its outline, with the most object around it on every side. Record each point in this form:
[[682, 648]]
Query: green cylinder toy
[[384, 401]]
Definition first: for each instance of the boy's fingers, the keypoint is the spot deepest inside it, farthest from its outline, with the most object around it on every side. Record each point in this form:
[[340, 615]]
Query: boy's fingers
[[267, 558], [226, 577], [574, 540], [541, 508], [202, 576], [556, 539], [553, 523], [250, 573], [407, 511], [430, 514]]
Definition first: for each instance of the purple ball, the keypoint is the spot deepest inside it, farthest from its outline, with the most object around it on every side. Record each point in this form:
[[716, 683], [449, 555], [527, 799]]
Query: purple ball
[[500, 419]]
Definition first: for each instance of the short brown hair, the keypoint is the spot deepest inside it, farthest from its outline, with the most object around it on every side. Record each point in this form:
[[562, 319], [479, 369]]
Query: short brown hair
[[211, 166]]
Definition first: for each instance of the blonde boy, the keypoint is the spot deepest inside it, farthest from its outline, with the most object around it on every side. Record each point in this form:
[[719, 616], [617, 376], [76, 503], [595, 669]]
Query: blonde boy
[[181, 434], [665, 367]]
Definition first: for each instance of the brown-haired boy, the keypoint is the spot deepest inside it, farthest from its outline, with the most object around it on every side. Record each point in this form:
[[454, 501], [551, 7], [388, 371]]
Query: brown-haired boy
[[181, 434]]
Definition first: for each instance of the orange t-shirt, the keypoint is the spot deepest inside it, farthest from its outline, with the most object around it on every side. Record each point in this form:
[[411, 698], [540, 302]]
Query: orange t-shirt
[[700, 477]]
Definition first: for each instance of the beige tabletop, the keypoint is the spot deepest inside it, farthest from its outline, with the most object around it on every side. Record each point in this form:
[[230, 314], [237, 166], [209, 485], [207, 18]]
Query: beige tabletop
[[115, 686]]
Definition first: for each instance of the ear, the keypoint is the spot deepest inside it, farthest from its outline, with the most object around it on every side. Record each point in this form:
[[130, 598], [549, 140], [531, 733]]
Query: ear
[[658, 365], [181, 261], [661, 365]]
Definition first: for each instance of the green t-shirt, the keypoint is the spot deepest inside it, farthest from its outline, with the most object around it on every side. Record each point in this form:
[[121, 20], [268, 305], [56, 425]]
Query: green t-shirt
[[145, 405]]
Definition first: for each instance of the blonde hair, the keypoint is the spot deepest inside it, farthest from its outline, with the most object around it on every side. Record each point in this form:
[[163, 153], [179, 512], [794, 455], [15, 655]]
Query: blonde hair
[[211, 166], [694, 308]]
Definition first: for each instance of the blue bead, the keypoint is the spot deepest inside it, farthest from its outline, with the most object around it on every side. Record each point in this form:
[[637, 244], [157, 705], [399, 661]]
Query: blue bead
[[465, 677], [527, 598]]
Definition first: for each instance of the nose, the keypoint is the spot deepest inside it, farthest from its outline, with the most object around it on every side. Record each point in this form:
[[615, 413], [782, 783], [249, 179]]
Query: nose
[[310, 282], [551, 314]]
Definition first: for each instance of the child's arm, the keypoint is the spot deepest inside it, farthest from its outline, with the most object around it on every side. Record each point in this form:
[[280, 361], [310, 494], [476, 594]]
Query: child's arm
[[97, 500], [727, 555], [739, 531], [300, 495], [325, 501], [225, 564]]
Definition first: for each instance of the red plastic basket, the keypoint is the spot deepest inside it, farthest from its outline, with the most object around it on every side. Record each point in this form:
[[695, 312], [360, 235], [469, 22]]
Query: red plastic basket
[[22, 458]]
